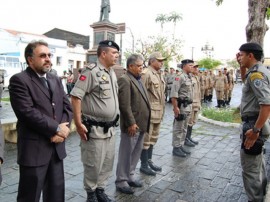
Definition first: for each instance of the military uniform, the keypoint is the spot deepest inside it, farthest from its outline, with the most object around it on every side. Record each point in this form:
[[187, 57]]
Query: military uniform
[[211, 88], [207, 86], [230, 87], [181, 89], [97, 88], [169, 81], [255, 95], [202, 84], [155, 86], [1, 85], [220, 86]]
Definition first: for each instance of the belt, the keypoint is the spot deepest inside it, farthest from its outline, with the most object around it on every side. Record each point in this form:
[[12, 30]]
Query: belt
[[104, 125], [249, 118]]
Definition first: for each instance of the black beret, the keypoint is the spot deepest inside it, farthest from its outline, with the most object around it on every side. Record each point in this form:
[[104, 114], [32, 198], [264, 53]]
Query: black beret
[[186, 61], [109, 43], [251, 47]]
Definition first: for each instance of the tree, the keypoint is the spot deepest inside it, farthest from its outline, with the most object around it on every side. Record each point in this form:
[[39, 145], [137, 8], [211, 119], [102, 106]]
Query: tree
[[168, 47], [174, 17], [233, 63], [256, 28], [161, 18], [209, 63]]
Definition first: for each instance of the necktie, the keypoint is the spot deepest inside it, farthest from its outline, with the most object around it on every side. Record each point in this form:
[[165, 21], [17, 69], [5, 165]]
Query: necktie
[[44, 82]]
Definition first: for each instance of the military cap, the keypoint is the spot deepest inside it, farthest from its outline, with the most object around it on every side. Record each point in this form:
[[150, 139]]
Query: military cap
[[225, 68], [109, 43], [186, 61], [157, 56], [251, 47]]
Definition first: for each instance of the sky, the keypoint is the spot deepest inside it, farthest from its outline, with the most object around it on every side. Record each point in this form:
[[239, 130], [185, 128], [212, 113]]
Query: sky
[[202, 21]]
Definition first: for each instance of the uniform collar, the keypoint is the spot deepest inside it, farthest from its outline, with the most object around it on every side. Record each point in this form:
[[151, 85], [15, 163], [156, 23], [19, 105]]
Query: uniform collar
[[153, 70], [101, 67]]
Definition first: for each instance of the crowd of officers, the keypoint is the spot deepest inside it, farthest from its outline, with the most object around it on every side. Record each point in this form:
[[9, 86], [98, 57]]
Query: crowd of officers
[[222, 82]]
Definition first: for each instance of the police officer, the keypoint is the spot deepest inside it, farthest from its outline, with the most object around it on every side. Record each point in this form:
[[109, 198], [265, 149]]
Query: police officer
[[220, 85], [212, 80], [226, 90], [203, 85], [1, 84], [182, 95], [230, 86], [169, 82], [96, 112], [155, 86], [207, 86], [196, 105], [255, 109]]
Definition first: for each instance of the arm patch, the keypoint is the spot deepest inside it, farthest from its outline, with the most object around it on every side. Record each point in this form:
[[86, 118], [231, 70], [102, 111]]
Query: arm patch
[[256, 75]]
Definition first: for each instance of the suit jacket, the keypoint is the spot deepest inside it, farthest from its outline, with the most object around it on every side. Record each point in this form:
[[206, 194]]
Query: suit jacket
[[39, 113], [133, 103]]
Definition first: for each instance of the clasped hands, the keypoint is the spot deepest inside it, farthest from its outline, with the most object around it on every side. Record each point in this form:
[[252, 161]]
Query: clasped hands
[[62, 134]]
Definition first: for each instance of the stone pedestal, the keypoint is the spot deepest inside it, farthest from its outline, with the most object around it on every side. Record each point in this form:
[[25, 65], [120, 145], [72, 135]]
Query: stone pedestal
[[104, 30]]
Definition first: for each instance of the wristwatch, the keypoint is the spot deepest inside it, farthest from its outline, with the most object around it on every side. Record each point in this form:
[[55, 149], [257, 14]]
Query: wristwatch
[[256, 130]]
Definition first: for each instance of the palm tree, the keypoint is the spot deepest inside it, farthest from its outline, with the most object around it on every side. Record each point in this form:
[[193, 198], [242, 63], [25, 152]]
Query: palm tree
[[174, 17], [161, 18]]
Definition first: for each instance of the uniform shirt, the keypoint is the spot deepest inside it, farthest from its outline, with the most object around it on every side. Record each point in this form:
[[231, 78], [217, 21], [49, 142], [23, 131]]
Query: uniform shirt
[[256, 90], [196, 92], [169, 80], [155, 86], [182, 88], [220, 82], [97, 88], [202, 81]]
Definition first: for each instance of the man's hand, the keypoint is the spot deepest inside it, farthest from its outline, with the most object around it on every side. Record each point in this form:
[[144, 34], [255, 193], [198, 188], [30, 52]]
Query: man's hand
[[132, 129], [64, 130], [176, 111], [57, 139], [82, 130], [251, 138]]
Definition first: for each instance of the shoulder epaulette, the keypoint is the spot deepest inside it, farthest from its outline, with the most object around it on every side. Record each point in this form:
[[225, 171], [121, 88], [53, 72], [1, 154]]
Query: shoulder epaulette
[[91, 65]]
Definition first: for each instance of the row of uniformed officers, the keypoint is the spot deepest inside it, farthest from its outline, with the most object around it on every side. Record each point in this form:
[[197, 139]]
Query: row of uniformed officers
[[222, 83]]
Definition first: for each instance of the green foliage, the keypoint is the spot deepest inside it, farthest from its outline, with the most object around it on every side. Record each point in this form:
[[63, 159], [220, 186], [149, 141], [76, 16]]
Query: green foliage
[[231, 115], [268, 13], [233, 63], [219, 2], [209, 63], [5, 99]]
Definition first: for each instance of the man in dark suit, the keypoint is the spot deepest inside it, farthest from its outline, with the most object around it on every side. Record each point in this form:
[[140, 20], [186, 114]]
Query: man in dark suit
[[44, 114], [135, 120]]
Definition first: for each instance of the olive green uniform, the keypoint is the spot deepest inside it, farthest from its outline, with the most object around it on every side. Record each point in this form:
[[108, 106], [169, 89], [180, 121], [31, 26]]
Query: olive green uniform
[[97, 88], [169, 81], [182, 88], [220, 85], [256, 92]]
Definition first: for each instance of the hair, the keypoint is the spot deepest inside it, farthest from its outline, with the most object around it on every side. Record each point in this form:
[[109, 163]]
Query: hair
[[133, 58], [258, 55], [151, 60], [28, 52], [100, 49]]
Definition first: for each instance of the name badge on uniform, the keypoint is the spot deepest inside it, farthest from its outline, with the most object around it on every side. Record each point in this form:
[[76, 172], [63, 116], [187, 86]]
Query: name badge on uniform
[[103, 82]]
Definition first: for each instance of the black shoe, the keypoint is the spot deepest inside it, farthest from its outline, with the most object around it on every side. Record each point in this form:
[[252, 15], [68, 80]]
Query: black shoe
[[125, 190], [193, 141], [91, 196], [189, 143], [135, 183], [148, 171], [185, 151], [101, 196], [178, 152], [153, 166]]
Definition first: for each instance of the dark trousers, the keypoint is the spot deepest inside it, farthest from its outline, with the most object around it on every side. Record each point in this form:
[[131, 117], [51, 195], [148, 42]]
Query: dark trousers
[[48, 178]]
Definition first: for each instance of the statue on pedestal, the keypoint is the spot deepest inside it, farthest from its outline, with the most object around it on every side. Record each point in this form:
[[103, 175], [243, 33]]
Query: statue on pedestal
[[105, 10]]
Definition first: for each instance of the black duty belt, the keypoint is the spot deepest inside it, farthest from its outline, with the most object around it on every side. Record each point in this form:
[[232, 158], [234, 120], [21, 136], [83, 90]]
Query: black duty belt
[[249, 118]]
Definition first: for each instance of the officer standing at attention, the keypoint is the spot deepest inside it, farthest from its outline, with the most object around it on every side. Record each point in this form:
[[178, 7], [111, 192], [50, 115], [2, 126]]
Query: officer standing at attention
[[169, 82], [220, 85], [155, 86], [96, 112], [255, 109], [196, 105], [182, 96], [1, 85]]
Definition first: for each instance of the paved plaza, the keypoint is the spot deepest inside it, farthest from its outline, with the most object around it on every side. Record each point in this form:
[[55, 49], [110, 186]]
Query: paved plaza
[[211, 173]]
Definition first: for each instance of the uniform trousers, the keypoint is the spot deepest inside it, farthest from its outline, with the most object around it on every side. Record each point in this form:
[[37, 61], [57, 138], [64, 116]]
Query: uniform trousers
[[47, 178], [230, 93], [202, 93], [97, 158], [254, 176], [220, 94], [193, 117], [151, 137], [180, 131], [226, 93], [129, 154]]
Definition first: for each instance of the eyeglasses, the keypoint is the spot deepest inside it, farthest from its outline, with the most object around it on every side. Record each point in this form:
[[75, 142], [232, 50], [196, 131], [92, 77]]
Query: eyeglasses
[[44, 55]]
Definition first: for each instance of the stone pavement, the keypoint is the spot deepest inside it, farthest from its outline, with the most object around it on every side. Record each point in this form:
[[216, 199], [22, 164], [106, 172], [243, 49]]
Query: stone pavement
[[211, 173]]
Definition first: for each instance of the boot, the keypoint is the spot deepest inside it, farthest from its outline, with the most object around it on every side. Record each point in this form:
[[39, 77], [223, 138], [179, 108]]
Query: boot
[[218, 104], [144, 164], [210, 98], [178, 152], [229, 100], [223, 103], [189, 143], [91, 196], [205, 99], [184, 150], [101, 196], [150, 162], [188, 136]]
